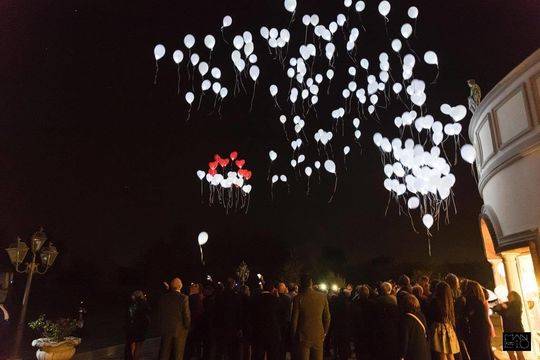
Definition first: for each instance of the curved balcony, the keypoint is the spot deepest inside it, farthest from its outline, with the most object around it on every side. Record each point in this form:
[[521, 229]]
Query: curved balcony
[[505, 128]]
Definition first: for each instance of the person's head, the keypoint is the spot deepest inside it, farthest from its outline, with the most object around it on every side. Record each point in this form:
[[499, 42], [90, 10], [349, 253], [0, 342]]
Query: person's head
[[444, 301], [194, 289], [230, 284], [176, 284], [475, 292], [418, 291], [244, 290], [423, 280], [138, 296], [282, 288], [386, 288], [471, 82], [404, 281], [433, 285], [305, 282], [409, 304], [363, 292], [453, 281], [513, 296]]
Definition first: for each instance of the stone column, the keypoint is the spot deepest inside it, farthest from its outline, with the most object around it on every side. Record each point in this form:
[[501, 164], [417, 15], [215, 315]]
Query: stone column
[[511, 270], [497, 278]]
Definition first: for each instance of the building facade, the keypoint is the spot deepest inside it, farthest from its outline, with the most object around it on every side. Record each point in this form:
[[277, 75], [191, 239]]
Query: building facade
[[505, 131]]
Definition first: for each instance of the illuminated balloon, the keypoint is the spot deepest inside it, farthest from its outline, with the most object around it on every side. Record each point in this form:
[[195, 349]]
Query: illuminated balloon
[[330, 166], [202, 238], [412, 12], [189, 41], [227, 21], [290, 5], [190, 97], [431, 58], [209, 41], [384, 8], [178, 56], [406, 30], [273, 90], [427, 219], [272, 155], [159, 51], [468, 153]]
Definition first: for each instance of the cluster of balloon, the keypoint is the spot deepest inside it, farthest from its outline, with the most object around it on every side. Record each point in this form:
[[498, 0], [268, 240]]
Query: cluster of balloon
[[388, 78], [227, 180], [201, 240]]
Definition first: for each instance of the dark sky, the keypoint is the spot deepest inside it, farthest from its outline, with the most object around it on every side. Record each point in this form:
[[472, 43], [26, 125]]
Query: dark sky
[[93, 151]]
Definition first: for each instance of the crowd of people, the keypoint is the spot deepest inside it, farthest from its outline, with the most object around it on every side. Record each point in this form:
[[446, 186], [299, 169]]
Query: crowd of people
[[423, 319]]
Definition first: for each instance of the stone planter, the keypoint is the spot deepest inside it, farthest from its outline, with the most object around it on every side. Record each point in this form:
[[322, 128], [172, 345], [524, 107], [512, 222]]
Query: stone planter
[[52, 350]]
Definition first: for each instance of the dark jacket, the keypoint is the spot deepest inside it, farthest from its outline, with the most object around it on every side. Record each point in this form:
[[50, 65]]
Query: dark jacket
[[310, 317], [413, 344], [174, 314], [138, 320], [266, 325]]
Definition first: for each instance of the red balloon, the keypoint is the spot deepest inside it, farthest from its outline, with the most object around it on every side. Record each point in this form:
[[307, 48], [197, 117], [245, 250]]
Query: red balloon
[[247, 174], [234, 155], [240, 163], [223, 162], [212, 172], [213, 165], [217, 157]]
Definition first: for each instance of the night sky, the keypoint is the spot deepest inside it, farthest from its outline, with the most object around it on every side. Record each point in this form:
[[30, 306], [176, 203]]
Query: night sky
[[104, 160]]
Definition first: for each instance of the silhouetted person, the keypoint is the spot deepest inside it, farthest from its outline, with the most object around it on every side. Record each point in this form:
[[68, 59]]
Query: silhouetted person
[[342, 325], [480, 327], [266, 326], [137, 322], [386, 327], [511, 314], [229, 321], [413, 342], [285, 313], [310, 321], [175, 321]]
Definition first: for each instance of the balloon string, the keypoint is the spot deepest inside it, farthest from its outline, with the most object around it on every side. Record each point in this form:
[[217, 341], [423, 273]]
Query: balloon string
[[155, 74], [189, 113], [334, 192], [178, 76], [252, 96], [429, 244]]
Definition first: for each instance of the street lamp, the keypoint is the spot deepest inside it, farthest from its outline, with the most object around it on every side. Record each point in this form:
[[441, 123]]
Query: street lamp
[[41, 260]]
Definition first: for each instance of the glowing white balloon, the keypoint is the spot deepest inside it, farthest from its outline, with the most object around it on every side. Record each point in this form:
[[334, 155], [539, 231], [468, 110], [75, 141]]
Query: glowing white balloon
[[330, 166], [308, 171], [194, 59], [364, 63], [227, 21], [360, 6], [178, 56], [254, 72], [427, 219], [384, 8], [216, 73], [413, 12], [272, 155], [202, 238], [190, 97], [159, 51], [468, 153], [203, 68], [346, 150], [201, 174], [413, 202], [223, 92], [209, 41], [406, 30], [396, 45], [189, 41], [290, 5], [431, 58], [273, 90]]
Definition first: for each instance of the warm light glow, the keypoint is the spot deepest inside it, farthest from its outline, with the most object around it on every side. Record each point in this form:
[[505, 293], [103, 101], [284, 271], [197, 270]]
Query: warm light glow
[[323, 287], [335, 287], [502, 292], [500, 269]]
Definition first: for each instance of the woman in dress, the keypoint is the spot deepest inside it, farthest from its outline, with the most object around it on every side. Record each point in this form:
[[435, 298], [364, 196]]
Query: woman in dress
[[480, 327], [138, 320], [443, 336], [511, 314]]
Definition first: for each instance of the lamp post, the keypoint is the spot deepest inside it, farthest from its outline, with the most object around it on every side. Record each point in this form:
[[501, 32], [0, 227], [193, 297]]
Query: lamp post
[[40, 257]]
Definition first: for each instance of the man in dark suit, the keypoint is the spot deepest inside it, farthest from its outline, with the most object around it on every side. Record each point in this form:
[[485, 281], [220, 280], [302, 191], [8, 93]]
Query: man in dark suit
[[310, 321], [266, 329], [175, 322]]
